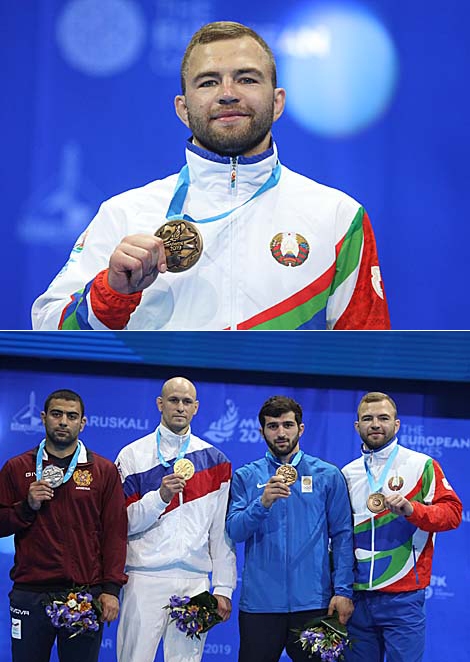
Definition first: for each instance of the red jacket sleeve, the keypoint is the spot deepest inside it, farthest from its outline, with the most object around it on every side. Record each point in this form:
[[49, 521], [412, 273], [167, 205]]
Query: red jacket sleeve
[[445, 511], [112, 308], [368, 307], [15, 513], [114, 526]]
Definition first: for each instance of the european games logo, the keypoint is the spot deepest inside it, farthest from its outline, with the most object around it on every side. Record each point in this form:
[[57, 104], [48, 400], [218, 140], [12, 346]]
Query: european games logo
[[28, 419], [224, 428], [415, 437]]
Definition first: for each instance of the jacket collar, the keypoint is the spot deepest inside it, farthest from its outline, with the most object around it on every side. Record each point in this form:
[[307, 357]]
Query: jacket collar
[[211, 172], [382, 453], [173, 440]]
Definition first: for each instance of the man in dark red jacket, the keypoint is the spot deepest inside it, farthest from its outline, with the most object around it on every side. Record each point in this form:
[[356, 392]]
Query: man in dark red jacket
[[66, 507]]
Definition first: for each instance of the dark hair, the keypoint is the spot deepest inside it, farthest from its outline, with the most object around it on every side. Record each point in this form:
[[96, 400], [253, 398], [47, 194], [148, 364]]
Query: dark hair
[[376, 396], [64, 394], [278, 405], [219, 31]]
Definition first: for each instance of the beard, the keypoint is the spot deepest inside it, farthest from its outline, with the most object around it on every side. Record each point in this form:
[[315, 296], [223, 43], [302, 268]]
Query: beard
[[373, 445], [231, 141], [61, 442], [285, 451]]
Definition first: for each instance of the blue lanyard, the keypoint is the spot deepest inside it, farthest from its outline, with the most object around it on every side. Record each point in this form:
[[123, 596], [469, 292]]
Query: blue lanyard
[[376, 485], [175, 208], [294, 462], [72, 465], [181, 452]]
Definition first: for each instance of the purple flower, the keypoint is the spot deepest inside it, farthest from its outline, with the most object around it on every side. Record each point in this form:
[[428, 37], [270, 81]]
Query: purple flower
[[176, 601]]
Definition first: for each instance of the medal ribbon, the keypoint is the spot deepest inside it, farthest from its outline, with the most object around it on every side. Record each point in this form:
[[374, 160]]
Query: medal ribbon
[[181, 452], [376, 485], [71, 468], [294, 462], [175, 208]]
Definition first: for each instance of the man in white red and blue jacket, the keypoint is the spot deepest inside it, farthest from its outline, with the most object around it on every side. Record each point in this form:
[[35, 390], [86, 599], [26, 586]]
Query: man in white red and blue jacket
[[65, 506], [279, 251], [297, 535], [176, 530], [400, 500]]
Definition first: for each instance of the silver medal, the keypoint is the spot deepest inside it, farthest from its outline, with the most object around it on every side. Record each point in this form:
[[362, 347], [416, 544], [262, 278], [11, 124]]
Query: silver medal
[[53, 475]]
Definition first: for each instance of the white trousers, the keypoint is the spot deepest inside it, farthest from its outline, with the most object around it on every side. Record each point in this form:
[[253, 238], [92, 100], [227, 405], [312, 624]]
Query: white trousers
[[143, 621]]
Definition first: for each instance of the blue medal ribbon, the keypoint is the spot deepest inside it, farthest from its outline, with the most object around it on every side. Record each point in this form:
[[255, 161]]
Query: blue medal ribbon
[[181, 452], [294, 462], [71, 468], [175, 208], [376, 485]]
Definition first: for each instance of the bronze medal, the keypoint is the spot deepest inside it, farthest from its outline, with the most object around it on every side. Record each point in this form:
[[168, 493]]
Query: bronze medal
[[288, 473], [53, 475], [184, 468], [376, 502], [183, 244]]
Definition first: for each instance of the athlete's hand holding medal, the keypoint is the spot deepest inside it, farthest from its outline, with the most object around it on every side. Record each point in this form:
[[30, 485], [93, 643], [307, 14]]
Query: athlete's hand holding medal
[[49, 477], [39, 491], [138, 259], [175, 483], [278, 486]]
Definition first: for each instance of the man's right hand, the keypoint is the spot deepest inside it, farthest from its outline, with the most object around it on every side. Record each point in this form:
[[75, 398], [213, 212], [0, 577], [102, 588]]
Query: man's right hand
[[274, 490], [39, 491], [171, 485], [136, 263]]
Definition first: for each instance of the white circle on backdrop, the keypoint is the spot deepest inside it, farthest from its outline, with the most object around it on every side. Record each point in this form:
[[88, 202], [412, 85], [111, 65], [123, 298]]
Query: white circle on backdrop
[[101, 38], [339, 66]]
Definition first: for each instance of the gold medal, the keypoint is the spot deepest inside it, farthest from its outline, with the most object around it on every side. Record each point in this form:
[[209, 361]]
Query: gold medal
[[376, 502], [184, 468], [288, 473], [183, 244]]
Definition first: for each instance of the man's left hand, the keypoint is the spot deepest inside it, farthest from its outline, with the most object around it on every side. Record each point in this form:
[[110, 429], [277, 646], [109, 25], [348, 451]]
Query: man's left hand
[[110, 606], [344, 607], [224, 608]]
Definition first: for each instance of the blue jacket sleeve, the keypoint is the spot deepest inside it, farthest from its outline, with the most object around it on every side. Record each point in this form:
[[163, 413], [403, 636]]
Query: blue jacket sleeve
[[340, 530], [244, 515]]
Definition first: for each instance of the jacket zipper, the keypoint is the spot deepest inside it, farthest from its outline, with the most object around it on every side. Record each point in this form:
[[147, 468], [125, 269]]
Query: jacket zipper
[[233, 244]]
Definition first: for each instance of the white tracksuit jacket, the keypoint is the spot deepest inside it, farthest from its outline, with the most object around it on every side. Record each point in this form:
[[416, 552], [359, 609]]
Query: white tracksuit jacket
[[300, 255]]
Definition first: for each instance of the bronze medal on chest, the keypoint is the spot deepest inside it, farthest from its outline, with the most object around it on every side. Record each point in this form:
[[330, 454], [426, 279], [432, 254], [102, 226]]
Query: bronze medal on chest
[[183, 244], [376, 502], [288, 473]]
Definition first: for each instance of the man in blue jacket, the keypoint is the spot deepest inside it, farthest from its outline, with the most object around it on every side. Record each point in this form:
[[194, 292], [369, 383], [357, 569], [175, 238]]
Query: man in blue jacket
[[292, 512]]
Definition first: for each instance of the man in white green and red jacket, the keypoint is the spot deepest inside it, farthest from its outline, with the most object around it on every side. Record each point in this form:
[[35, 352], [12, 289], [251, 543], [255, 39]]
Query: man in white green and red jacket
[[400, 500], [277, 250]]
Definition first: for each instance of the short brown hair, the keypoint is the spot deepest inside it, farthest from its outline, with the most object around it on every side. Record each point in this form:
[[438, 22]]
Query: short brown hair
[[376, 396], [219, 31], [278, 405], [64, 394]]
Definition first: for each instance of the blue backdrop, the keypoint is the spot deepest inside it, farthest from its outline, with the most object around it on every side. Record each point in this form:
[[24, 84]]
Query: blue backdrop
[[376, 105], [121, 408]]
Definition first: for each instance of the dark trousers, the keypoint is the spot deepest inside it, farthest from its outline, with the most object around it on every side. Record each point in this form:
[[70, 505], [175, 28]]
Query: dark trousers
[[33, 635], [263, 637]]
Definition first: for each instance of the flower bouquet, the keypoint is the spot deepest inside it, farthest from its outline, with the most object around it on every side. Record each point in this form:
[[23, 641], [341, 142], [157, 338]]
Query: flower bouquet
[[324, 636], [196, 615], [78, 612]]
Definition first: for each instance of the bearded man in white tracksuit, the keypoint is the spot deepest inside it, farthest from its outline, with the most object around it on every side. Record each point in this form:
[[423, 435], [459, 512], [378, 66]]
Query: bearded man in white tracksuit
[[256, 245], [176, 530]]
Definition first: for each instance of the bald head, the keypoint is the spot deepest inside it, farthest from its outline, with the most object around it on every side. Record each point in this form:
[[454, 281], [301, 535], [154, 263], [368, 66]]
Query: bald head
[[177, 404], [178, 383]]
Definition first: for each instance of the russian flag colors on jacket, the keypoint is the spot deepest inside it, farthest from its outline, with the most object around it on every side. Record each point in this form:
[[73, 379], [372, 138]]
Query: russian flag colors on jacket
[[185, 537]]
